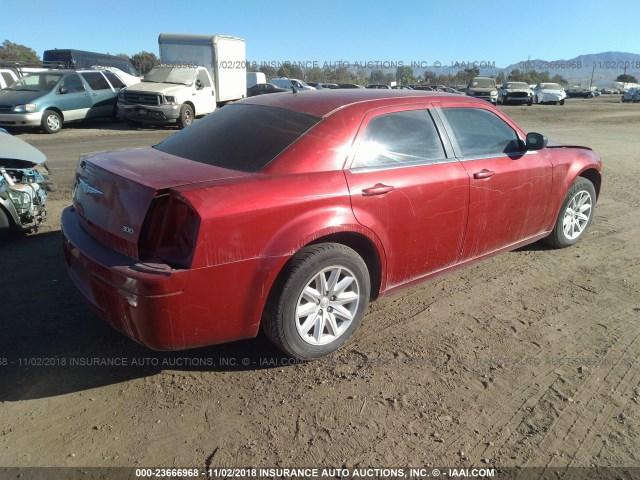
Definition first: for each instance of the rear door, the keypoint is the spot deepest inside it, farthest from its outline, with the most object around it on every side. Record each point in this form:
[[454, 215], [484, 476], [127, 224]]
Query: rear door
[[103, 96], [409, 191], [510, 188]]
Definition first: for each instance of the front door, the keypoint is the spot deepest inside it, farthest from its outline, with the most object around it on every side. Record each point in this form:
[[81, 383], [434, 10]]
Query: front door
[[509, 187], [73, 97]]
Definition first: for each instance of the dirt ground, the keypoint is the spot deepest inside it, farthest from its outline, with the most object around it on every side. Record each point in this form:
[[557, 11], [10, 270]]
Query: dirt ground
[[527, 359]]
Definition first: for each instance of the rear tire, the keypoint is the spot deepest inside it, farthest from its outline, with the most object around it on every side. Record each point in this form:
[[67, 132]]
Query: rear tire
[[562, 102], [186, 116], [318, 302], [51, 121], [575, 215]]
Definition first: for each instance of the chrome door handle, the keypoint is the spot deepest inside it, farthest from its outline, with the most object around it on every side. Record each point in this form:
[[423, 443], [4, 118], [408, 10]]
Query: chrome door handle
[[377, 189], [484, 173]]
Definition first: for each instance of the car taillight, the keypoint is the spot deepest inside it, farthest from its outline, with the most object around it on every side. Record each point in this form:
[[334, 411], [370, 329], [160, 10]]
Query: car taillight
[[170, 231]]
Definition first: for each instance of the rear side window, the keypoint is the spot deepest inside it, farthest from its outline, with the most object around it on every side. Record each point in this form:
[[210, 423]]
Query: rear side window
[[73, 83], [480, 132], [115, 81], [239, 137], [96, 81], [399, 138]]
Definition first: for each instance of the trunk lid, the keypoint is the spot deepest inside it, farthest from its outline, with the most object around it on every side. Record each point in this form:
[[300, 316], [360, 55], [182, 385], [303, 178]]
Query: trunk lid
[[114, 190]]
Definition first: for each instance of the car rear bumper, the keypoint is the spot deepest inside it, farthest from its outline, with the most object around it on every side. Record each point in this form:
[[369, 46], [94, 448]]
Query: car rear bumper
[[20, 119], [150, 113], [155, 305]]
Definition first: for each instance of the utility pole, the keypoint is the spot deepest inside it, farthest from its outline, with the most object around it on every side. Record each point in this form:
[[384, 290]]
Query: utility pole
[[592, 72]]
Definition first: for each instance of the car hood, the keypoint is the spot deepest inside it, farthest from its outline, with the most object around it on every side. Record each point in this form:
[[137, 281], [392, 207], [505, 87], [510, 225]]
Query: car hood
[[166, 88], [18, 97], [517, 90], [15, 153]]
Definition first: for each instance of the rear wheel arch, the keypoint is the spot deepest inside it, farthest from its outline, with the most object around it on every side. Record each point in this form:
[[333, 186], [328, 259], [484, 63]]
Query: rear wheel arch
[[358, 242], [367, 250]]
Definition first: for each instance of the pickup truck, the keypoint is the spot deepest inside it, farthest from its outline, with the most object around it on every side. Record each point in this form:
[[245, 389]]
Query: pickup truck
[[168, 94], [198, 74]]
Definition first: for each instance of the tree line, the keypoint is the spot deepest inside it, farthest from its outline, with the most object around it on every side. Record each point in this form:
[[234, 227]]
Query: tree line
[[404, 75]]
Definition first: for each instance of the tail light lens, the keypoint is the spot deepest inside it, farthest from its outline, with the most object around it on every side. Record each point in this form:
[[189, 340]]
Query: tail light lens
[[170, 231]]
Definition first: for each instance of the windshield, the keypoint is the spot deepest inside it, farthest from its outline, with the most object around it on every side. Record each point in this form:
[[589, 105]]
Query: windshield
[[220, 139], [37, 82], [483, 82], [179, 75], [517, 85], [550, 86]]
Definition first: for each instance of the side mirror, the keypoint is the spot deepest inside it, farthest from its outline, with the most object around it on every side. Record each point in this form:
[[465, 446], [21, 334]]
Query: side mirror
[[536, 141], [63, 90]]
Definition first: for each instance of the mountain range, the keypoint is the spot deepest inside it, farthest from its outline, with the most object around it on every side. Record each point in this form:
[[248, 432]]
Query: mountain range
[[601, 68]]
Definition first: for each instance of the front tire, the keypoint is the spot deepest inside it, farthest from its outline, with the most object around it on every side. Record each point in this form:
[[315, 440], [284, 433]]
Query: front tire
[[575, 215], [319, 302], [51, 121], [561, 102], [186, 116]]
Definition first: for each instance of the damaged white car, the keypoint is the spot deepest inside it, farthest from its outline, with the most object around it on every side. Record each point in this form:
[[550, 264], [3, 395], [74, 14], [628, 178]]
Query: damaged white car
[[549, 93], [24, 184]]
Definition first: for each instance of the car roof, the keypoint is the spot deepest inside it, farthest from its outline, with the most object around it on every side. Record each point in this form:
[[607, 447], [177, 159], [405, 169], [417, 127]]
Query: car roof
[[66, 71], [322, 103]]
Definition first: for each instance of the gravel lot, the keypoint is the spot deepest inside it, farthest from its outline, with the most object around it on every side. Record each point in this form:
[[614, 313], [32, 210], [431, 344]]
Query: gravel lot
[[527, 359]]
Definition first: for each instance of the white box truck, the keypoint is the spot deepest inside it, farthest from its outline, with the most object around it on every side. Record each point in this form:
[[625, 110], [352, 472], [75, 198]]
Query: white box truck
[[197, 74]]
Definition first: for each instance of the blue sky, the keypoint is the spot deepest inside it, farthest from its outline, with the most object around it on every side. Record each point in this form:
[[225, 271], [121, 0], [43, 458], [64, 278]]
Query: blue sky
[[334, 30]]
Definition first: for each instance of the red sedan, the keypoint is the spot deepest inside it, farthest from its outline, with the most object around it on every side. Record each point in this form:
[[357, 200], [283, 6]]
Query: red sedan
[[291, 212]]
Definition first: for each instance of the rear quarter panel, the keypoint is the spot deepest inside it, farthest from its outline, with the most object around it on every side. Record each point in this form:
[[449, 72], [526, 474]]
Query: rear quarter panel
[[257, 223]]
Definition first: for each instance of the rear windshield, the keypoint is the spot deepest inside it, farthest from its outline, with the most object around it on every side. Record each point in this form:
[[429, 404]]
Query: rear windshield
[[239, 137]]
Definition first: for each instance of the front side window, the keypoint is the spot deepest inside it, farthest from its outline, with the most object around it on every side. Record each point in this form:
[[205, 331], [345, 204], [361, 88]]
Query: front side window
[[96, 81], [480, 132], [203, 79], [399, 138]]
